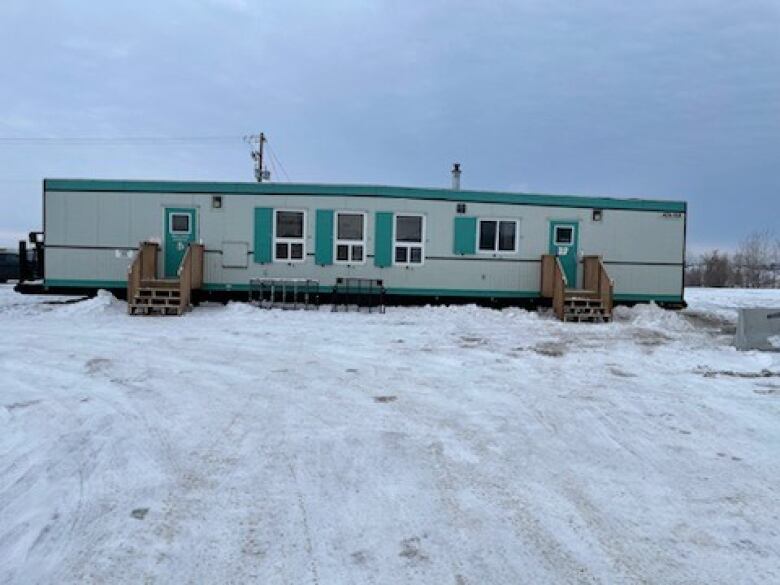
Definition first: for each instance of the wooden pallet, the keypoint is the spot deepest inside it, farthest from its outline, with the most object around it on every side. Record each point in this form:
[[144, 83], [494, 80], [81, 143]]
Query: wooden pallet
[[587, 310], [156, 301], [155, 310]]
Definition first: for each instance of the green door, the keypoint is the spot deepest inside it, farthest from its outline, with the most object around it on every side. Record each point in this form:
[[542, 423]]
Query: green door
[[564, 238], [181, 228]]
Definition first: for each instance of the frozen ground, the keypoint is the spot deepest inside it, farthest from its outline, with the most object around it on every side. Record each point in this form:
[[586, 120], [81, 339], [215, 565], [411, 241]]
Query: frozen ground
[[433, 445]]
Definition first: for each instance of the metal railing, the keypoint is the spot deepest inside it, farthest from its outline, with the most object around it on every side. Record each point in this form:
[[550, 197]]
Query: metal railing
[[285, 293], [359, 293]]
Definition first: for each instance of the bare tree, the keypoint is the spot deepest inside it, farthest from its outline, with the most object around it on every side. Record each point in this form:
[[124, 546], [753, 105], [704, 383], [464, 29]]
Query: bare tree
[[754, 259], [715, 269], [693, 274]]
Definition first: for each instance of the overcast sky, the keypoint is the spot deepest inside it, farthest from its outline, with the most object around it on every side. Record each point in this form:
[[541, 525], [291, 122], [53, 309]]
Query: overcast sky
[[675, 99]]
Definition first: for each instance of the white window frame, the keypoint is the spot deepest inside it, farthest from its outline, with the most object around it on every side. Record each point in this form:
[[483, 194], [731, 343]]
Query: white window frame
[[289, 241], [174, 232], [495, 250], [337, 242], [573, 228], [409, 245]]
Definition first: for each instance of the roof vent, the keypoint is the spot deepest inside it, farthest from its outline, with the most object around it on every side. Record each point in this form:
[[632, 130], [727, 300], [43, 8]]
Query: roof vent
[[456, 176]]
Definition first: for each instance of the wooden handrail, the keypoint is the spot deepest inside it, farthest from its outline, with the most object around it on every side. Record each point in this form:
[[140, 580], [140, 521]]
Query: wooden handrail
[[606, 287], [133, 279], [560, 283], [561, 273], [185, 279], [143, 267], [554, 282], [596, 278], [197, 265], [190, 274]]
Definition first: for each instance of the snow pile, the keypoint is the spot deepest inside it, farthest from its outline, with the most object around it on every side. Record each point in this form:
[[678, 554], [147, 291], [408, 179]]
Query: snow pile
[[103, 303], [651, 316]]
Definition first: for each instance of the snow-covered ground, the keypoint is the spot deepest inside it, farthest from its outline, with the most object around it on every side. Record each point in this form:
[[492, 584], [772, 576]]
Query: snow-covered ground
[[723, 303], [427, 445]]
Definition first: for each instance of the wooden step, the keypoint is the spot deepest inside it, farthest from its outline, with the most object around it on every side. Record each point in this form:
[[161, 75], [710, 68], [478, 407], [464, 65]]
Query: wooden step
[[583, 303], [580, 293], [139, 300], [155, 310], [594, 318], [166, 293], [167, 283]]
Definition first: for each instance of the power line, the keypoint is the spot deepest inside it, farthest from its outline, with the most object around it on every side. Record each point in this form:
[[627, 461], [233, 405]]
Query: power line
[[112, 138], [118, 140], [278, 162]]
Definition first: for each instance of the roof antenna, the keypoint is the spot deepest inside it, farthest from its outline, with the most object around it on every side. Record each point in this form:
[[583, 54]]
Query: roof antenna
[[456, 176]]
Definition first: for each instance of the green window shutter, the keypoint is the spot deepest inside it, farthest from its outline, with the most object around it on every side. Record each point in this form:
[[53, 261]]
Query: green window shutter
[[264, 234], [465, 241], [383, 239], [323, 248]]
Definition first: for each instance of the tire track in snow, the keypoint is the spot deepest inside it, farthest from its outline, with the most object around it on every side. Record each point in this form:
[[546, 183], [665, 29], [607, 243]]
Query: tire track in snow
[[305, 520]]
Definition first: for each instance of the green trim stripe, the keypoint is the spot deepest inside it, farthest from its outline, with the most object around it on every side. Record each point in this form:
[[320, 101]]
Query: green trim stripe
[[314, 189], [85, 283], [432, 292], [642, 298]]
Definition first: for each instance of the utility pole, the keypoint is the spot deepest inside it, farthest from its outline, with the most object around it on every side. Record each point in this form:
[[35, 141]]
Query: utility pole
[[261, 173]]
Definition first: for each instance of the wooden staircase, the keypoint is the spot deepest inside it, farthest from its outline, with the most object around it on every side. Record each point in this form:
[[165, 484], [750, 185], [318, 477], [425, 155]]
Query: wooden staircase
[[149, 295], [592, 303]]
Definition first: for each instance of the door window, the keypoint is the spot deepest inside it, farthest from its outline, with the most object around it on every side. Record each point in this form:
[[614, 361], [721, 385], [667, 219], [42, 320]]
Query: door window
[[180, 223], [564, 235]]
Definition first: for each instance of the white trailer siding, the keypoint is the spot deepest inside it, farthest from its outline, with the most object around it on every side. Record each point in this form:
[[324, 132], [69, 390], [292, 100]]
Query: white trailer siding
[[91, 234]]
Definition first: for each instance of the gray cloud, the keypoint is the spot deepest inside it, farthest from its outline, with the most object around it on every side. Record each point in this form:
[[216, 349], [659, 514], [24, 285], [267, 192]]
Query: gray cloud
[[660, 99]]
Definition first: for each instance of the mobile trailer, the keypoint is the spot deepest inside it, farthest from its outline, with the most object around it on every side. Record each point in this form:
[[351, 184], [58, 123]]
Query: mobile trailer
[[425, 245]]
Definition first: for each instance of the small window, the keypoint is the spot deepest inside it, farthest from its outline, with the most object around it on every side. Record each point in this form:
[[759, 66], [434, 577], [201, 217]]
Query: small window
[[350, 237], [289, 242], [409, 239], [461, 208], [564, 235], [216, 201], [497, 235], [598, 214], [180, 223]]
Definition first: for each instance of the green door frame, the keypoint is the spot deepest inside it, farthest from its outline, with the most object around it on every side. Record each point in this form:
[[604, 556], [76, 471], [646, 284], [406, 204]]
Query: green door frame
[[175, 242], [568, 254]]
